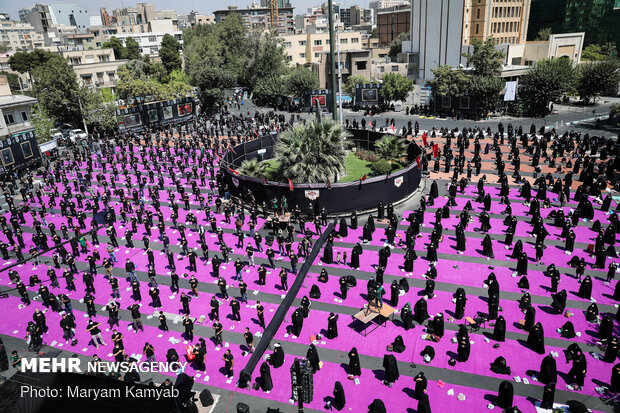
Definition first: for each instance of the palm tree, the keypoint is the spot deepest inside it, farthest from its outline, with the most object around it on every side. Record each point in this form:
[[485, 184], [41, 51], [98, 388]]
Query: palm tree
[[253, 167], [312, 153], [391, 147]]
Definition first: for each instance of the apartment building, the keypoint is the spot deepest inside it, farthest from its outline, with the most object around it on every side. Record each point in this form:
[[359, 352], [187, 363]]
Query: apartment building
[[307, 49], [392, 22], [18, 36], [94, 68], [256, 16], [150, 42], [505, 21], [44, 16]]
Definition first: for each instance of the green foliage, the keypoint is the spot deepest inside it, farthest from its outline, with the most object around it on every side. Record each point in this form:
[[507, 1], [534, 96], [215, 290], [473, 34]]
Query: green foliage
[[169, 53], [366, 155], [373, 33], [268, 59], [23, 62], [116, 44], [253, 167], [159, 72], [595, 78], [312, 153], [96, 111], [13, 80], [485, 58], [545, 82], [210, 81], [143, 79], [107, 94], [349, 85], [449, 81], [381, 167], [132, 49], [300, 81], [391, 147], [396, 87], [593, 52], [614, 113], [396, 46], [543, 34], [55, 84], [487, 90], [42, 125]]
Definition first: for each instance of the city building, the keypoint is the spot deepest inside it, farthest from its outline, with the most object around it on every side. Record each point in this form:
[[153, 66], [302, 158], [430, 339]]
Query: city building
[[43, 16], [352, 63], [150, 42], [380, 67], [345, 17], [281, 3], [393, 21], [16, 112], [360, 16], [256, 16], [94, 68], [599, 19], [307, 48], [18, 36], [385, 4], [195, 18], [505, 21]]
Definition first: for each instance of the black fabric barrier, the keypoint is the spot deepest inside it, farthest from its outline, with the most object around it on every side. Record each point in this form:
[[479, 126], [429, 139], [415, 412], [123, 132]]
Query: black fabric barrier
[[246, 374], [338, 197]]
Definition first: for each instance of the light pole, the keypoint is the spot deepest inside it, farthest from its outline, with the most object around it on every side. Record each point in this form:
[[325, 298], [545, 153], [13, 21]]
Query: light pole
[[339, 78], [330, 4], [39, 103]]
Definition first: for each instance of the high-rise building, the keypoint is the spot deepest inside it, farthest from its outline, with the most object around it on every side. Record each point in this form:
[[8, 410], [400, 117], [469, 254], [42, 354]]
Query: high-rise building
[[386, 4], [505, 21], [392, 22], [256, 16], [345, 17], [281, 3], [599, 19], [43, 16]]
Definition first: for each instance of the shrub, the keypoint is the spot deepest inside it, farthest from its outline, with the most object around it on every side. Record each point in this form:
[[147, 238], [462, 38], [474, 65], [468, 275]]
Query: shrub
[[366, 155], [381, 167]]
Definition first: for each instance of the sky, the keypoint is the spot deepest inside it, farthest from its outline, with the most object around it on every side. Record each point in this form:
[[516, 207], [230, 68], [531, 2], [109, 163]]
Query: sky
[[182, 6]]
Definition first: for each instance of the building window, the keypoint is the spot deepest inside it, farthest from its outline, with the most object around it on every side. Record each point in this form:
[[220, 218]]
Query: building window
[[287, 44], [477, 28], [24, 116], [344, 41], [477, 13], [318, 42], [302, 42], [152, 39], [8, 119], [355, 40], [302, 55], [360, 65], [317, 55], [394, 68], [380, 69]]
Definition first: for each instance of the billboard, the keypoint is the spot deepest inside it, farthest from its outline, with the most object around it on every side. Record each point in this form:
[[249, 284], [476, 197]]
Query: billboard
[[511, 91]]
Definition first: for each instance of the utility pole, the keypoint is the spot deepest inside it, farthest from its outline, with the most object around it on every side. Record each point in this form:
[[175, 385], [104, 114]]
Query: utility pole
[[339, 78], [332, 59], [82, 115]]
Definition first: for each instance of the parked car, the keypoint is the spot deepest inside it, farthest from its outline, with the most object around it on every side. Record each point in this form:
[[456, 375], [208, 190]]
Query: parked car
[[77, 135]]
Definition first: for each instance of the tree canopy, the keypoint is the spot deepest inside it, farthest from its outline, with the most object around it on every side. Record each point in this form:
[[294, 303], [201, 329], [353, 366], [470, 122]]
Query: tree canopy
[[449, 81], [396, 87], [300, 81], [116, 44], [169, 53], [544, 82], [596, 78], [485, 59]]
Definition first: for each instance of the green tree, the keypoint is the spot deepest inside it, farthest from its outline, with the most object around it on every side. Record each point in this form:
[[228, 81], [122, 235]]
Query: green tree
[[593, 52], [169, 53], [56, 86], [116, 44], [158, 71], [13, 80], [543, 34], [449, 81], [270, 59], [132, 49], [270, 88], [42, 125], [486, 90], [312, 153], [545, 82], [596, 78], [396, 46], [96, 111], [107, 94], [25, 62], [391, 147], [253, 167], [485, 58], [210, 82], [373, 33], [396, 87], [301, 81], [352, 81]]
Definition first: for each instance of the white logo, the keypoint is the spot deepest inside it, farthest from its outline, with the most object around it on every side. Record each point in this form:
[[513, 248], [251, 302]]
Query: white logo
[[312, 194], [398, 181], [235, 182]]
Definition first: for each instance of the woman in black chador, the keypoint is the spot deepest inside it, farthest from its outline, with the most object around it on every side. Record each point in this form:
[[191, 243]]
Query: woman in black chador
[[366, 233], [585, 289], [548, 397], [339, 400], [391, 369], [328, 253], [434, 193], [406, 316], [505, 395], [606, 329], [548, 370], [499, 366], [463, 349], [431, 253], [437, 325], [615, 379], [420, 311], [343, 230], [568, 330], [353, 220], [355, 368], [332, 326], [517, 250], [394, 293], [592, 313], [559, 301], [461, 300], [536, 339], [313, 357], [487, 247], [355, 256], [410, 257], [424, 405], [298, 322], [276, 359], [460, 239], [611, 352], [420, 385], [376, 406], [499, 331], [266, 384], [522, 264]]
